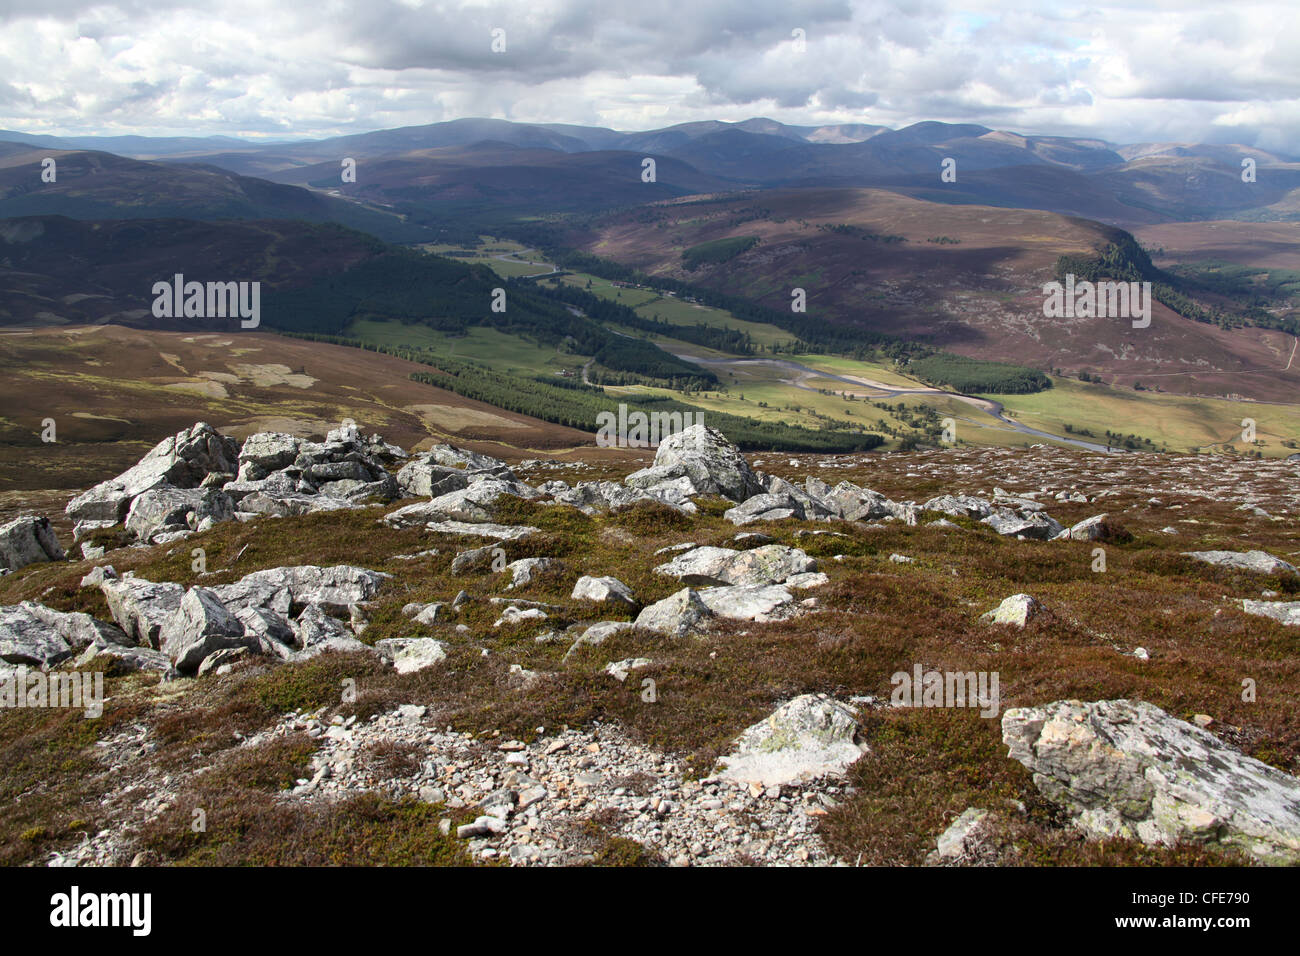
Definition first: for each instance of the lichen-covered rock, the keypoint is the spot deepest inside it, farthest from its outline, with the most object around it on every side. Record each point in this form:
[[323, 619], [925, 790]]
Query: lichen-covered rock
[[619, 670], [33, 634], [184, 461], [703, 565], [805, 738], [1089, 529], [266, 452], [1287, 612], [283, 589], [115, 659], [959, 506], [602, 631], [854, 503], [963, 841], [749, 602], [472, 504], [1260, 562], [714, 464], [475, 560], [316, 632], [410, 654], [1035, 526], [141, 607], [525, 571], [765, 507], [445, 468], [678, 614], [1017, 610], [603, 590], [166, 508], [486, 529], [28, 540], [1126, 768], [767, 564]]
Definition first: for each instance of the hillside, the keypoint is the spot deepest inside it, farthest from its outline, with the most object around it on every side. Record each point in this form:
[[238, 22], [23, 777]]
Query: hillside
[[110, 389], [704, 670], [967, 279], [96, 185], [490, 182], [318, 280]]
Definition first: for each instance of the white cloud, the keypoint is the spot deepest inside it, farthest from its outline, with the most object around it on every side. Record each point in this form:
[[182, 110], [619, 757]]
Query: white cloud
[[1124, 70]]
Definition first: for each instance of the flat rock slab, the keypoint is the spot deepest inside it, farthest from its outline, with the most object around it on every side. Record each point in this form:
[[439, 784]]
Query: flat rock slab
[[1128, 769], [1261, 562], [750, 603], [499, 532], [808, 737], [1288, 612], [767, 564]]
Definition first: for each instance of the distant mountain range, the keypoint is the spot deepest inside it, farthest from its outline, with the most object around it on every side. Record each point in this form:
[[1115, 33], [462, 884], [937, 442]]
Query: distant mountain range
[[480, 164]]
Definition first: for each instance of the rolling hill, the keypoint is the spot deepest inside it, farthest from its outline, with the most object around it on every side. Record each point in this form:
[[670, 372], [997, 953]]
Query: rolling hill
[[966, 278], [98, 185]]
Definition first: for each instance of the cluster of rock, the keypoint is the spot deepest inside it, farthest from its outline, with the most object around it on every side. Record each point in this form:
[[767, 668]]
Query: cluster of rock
[[529, 800], [286, 613], [753, 585], [281, 612], [1257, 562], [697, 461], [199, 477], [1120, 768]]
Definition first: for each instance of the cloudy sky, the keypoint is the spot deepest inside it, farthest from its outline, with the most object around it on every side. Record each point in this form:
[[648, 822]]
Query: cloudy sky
[[1122, 70]]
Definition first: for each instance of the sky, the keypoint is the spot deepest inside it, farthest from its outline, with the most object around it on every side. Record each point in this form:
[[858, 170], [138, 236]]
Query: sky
[[1127, 71]]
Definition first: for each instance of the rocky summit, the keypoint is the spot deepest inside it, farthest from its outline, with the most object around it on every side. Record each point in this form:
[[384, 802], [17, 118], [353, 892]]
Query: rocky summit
[[950, 658]]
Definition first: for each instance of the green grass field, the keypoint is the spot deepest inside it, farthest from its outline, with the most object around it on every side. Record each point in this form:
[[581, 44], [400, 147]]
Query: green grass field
[[648, 303], [498, 350], [487, 255], [1183, 423]]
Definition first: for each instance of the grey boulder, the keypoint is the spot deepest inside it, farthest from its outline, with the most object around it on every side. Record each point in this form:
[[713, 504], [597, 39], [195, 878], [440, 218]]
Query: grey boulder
[[1260, 562], [1126, 768], [34, 634], [806, 738], [141, 607], [166, 508], [767, 564], [603, 590], [28, 540], [714, 464], [676, 615], [200, 626]]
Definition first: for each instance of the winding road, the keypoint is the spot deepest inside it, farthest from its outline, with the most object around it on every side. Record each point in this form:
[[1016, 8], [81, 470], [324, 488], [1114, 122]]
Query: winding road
[[510, 257], [987, 406]]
